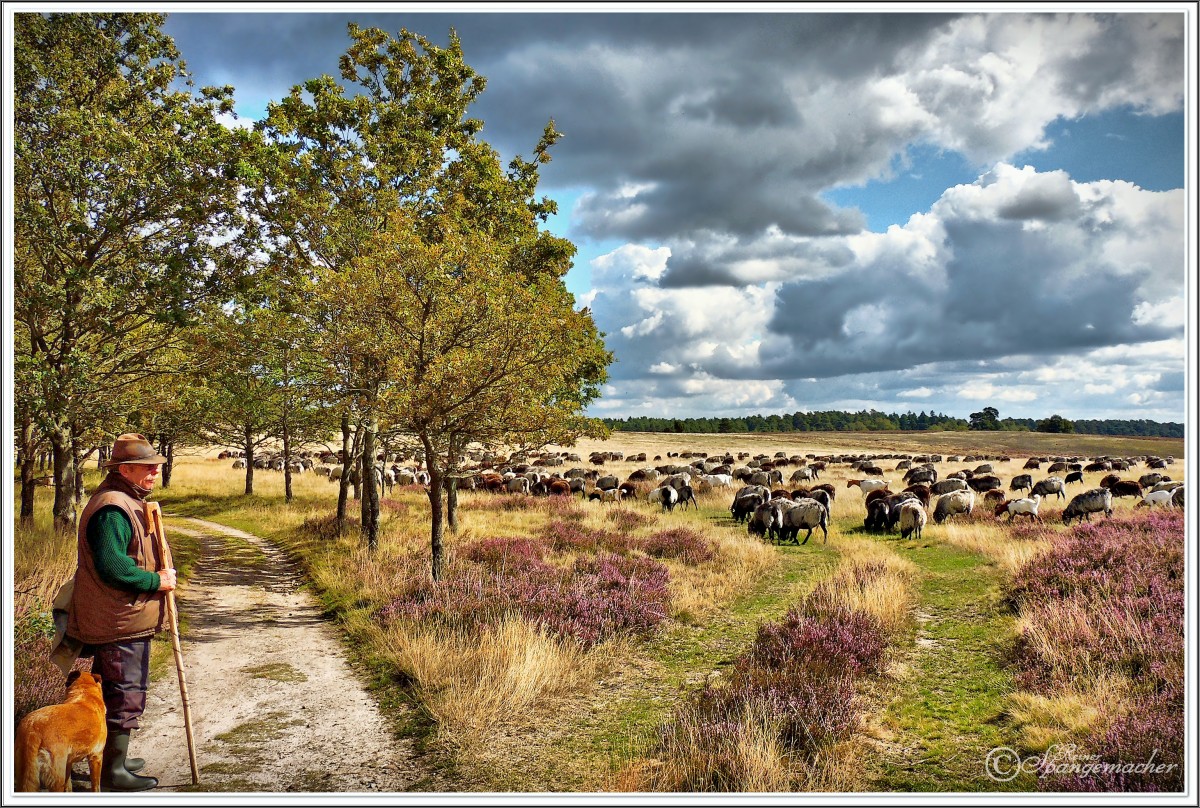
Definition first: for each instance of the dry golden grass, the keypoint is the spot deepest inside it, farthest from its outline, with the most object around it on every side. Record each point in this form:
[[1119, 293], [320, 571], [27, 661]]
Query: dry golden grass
[[889, 597], [1044, 720], [478, 684]]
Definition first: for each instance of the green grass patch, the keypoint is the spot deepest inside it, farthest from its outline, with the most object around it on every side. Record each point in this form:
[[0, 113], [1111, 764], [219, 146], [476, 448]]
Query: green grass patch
[[948, 711]]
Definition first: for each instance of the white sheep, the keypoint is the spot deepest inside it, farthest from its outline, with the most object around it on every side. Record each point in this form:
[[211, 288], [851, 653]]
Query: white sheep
[[912, 519], [1020, 507], [1160, 498]]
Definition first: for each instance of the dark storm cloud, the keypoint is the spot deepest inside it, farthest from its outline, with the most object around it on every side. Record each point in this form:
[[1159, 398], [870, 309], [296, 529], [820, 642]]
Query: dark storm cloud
[[1005, 291]]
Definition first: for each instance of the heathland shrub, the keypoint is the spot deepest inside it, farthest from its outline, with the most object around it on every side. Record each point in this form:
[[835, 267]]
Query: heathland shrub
[[500, 553], [1108, 595], [573, 537], [685, 544], [836, 642], [598, 598], [1108, 598], [627, 520], [1141, 751]]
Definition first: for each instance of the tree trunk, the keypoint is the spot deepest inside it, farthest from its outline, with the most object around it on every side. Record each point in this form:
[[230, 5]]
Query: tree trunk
[[437, 527], [370, 487], [344, 480], [451, 485], [166, 448], [28, 471], [248, 450], [287, 463], [64, 478], [78, 458]]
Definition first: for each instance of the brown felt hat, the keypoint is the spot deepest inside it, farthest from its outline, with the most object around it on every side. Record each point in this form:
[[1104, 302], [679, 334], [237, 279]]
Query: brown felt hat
[[134, 448]]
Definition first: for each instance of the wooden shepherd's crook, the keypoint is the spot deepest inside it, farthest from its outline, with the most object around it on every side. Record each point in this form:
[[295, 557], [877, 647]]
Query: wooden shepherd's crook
[[155, 514]]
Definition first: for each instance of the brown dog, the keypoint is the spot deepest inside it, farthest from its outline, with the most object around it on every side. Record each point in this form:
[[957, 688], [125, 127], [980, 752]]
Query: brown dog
[[51, 740]]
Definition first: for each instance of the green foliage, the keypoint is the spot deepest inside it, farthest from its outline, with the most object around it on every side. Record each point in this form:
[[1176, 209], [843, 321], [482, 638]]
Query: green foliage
[[1056, 424], [987, 419], [873, 421], [123, 226]]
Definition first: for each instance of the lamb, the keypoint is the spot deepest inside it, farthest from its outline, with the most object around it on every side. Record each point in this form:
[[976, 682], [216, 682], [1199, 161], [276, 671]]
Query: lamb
[[952, 504], [912, 519], [1020, 507], [1089, 502], [686, 495], [805, 514], [1159, 498]]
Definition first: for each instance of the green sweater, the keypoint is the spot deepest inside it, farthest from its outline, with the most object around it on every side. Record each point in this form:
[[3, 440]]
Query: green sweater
[[108, 535]]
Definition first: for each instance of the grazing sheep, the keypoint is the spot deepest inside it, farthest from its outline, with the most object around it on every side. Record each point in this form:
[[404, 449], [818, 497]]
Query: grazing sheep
[[1150, 480], [1020, 507], [1159, 498], [820, 495], [667, 496], [606, 482], [1089, 502], [767, 519], [948, 485], [922, 491], [993, 497], [240, 463], [894, 502], [718, 480], [921, 474], [1102, 465], [1048, 486], [952, 504], [805, 514], [1075, 477], [912, 519], [1032, 463], [746, 500], [686, 495], [1167, 485], [867, 486], [610, 495], [803, 474], [1124, 488], [878, 493], [518, 485], [1177, 497], [877, 515], [980, 483], [1022, 482]]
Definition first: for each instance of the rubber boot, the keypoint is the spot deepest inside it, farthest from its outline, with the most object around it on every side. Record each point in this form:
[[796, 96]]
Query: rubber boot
[[116, 776]]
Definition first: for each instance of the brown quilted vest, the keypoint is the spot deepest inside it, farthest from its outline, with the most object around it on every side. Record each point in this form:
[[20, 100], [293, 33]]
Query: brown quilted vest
[[101, 613]]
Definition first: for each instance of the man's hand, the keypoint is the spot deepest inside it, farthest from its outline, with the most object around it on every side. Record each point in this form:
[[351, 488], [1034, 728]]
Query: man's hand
[[166, 580]]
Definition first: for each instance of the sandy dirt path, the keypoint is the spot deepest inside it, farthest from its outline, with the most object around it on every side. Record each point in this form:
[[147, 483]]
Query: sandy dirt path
[[275, 706]]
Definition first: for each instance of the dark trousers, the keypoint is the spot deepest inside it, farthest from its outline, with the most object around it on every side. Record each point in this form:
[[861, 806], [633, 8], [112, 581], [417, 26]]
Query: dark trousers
[[124, 671]]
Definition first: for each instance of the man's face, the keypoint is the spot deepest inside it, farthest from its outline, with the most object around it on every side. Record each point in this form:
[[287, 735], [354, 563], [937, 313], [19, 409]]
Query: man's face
[[142, 475]]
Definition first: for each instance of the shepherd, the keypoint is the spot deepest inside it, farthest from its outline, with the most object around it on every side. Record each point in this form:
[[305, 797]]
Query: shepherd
[[119, 602]]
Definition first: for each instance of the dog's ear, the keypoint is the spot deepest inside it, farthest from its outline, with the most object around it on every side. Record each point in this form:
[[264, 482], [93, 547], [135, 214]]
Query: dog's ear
[[72, 676]]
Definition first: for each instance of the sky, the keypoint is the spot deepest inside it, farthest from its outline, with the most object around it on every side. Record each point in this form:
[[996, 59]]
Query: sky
[[841, 210]]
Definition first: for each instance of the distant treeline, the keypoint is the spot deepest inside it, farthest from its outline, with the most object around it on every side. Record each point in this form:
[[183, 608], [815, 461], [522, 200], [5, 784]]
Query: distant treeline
[[875, 421]]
